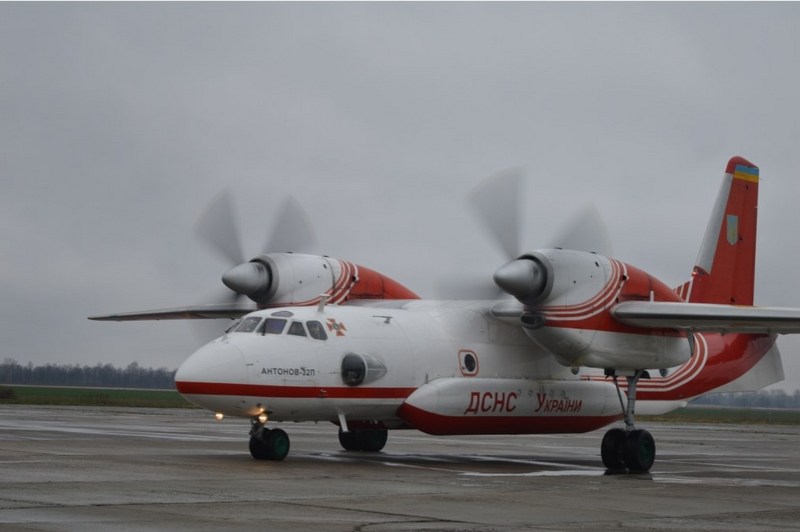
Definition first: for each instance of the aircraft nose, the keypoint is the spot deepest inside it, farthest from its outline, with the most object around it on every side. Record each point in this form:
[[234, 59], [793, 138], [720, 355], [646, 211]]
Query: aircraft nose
[[214, 366]]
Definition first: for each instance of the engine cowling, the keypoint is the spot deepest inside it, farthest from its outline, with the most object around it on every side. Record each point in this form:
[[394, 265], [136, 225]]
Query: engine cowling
[[568, 296], [279, 279]]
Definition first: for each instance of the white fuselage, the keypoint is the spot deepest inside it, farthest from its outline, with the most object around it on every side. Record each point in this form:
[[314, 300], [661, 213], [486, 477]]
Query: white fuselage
[[300, 378]]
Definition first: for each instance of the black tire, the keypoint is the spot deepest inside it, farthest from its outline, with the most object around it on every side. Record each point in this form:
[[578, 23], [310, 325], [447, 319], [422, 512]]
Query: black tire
[[640, 451], [258, 448], [372, 441], [349, 441], [277, 444], [612, 450]]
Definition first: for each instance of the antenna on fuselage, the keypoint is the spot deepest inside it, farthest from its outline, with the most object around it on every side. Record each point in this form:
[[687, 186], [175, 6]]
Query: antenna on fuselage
[[323, 300]]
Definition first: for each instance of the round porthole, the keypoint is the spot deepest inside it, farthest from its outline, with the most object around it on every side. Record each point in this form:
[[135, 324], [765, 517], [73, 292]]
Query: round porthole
[[468, 363]]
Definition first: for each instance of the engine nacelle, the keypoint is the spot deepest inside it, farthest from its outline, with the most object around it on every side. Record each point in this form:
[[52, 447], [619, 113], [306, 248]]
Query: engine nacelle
[[573, 347], [568, 296], [555, 277], [283, 279]]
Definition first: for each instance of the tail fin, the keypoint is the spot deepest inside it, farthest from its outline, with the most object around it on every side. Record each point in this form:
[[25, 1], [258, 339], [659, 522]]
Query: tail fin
[[725, 269]]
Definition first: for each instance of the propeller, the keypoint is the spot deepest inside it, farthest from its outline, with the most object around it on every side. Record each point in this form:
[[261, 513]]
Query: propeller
[[497, 201], [584, 230], [291, 231], [217, 226]]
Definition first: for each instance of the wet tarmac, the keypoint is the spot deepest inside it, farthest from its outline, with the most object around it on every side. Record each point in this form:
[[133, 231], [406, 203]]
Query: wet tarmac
[[88, 469]]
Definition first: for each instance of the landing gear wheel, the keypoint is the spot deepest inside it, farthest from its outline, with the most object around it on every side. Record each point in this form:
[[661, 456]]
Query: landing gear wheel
[[349, 440], [258, 448], [640, 451], [374, 440], [612, 450], [277, 444], [269, 444], [370, 441]]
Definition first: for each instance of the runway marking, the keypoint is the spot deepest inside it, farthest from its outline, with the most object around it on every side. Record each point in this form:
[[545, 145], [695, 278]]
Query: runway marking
[[567, 473]]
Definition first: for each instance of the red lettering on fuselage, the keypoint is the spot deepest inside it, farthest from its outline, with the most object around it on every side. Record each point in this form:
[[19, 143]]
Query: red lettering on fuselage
[[561, 405], [491, 402]]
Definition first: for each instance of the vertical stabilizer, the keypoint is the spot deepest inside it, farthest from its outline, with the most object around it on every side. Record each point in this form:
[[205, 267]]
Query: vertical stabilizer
[[725, 269]]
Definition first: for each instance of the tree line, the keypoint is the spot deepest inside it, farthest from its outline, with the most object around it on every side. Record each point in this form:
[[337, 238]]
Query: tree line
[[100, 376], [759, 399]]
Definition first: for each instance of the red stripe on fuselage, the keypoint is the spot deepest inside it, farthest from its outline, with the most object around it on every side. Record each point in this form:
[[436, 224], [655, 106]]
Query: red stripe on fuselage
[[305, 392]]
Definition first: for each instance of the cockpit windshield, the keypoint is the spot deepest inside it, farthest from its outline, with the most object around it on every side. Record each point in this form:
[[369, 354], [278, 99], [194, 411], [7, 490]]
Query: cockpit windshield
[[248, 325], [297, 329], [273, 325]]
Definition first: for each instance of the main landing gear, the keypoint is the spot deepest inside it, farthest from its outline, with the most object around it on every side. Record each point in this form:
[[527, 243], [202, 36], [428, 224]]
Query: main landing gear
[[370, 441], [630, 448]]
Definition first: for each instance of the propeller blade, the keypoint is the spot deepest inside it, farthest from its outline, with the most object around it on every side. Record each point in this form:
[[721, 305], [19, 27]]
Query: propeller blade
[[466, 286], [584, 231], [497, 202], [206, 330], [292, 230], [217, 226]]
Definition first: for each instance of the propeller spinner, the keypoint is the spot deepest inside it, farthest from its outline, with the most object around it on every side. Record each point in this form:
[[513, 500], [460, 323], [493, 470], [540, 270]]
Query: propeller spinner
[[528, 278]]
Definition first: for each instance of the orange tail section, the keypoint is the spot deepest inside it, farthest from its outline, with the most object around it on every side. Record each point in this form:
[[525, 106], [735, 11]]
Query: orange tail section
[[725, 269]]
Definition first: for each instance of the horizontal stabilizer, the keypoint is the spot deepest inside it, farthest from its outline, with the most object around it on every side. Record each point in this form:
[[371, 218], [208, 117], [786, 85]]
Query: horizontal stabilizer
[[194, 312], [709, 317]]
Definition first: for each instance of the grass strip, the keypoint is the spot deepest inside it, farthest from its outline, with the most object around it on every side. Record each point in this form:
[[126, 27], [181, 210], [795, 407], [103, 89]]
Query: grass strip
[[69, 396], [711, 414]]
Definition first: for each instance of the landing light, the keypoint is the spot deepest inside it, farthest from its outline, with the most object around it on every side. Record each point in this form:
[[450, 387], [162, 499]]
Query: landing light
[[218, 416], [262, 417]]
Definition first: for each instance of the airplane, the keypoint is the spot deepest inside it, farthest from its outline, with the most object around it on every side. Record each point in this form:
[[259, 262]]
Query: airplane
[[584, 341]]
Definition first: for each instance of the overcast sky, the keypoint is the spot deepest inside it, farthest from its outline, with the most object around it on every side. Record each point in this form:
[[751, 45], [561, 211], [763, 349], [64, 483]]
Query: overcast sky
[[120, 122]]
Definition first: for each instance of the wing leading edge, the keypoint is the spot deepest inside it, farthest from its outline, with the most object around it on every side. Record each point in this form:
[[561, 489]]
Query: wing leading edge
[[195, 312], [709, 317]]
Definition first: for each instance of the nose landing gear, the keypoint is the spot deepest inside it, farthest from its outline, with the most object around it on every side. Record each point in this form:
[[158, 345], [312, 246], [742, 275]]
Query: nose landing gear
[[632, 449], [267, 444]]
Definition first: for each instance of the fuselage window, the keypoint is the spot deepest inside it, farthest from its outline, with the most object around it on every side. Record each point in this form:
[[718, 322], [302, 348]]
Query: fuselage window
[[248, 325], [272, 326], [297, 329], [316, 330]]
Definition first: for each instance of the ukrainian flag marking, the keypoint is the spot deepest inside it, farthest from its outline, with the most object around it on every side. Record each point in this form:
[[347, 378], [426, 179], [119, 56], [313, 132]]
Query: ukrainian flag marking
[[748, 173]]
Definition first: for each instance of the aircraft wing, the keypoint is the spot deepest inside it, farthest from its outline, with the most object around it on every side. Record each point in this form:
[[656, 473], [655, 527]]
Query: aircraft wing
[[709, 317], [194, 312]]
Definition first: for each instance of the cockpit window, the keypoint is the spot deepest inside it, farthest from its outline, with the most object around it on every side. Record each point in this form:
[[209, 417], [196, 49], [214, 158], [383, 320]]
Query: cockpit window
[[248, 325], [282, 314], [297, 329], [316, 330], [272, 326]]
